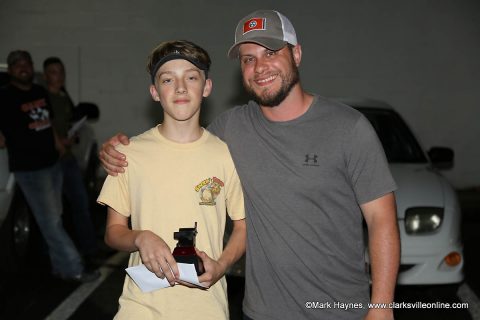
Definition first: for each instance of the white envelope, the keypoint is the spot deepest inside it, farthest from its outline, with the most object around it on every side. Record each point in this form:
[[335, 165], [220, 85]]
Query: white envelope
[[147, 281]]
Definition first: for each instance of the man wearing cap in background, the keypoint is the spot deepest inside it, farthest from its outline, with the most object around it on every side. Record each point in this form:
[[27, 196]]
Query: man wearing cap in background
[[312, 170], [33, 158]]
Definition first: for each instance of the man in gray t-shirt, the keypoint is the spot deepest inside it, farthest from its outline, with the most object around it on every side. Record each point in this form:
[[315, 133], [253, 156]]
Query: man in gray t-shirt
[[304, 180], [312, 170]]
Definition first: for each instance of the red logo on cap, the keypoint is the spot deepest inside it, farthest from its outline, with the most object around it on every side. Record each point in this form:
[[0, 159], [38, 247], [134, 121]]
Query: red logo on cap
[[254, 24]]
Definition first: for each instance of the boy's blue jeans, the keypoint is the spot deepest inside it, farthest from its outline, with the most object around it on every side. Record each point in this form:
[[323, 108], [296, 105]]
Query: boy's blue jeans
[[43, 192]]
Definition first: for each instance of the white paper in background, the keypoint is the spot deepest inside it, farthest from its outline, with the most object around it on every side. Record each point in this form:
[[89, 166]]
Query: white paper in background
[[76, 126], [147, 281]]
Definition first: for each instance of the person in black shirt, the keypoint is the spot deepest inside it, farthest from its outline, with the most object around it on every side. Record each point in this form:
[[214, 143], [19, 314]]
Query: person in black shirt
[[33, 159]]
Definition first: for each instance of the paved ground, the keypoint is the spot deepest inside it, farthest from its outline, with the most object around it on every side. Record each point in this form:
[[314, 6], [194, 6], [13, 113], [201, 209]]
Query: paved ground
[[32, 294]]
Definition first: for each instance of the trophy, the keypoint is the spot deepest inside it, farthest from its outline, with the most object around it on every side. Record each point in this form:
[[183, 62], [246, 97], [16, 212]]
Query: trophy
[[184, 252]]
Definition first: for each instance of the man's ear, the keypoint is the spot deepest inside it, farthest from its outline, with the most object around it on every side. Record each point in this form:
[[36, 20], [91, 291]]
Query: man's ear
[[297, 54], [207, 89], [154, 93]]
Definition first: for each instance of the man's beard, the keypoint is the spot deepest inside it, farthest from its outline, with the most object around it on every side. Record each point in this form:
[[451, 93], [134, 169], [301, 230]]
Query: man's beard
[[23, 81], [273, 100]]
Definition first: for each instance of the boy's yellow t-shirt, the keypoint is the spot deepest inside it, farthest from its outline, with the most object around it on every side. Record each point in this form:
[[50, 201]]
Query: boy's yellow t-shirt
[[168, 186]]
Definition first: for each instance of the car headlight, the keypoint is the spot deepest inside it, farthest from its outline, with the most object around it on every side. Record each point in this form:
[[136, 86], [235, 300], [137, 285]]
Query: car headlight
[[423, 220]]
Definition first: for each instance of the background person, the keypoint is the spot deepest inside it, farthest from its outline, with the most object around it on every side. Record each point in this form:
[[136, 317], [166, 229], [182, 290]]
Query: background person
[[33, 159], [73, 184]]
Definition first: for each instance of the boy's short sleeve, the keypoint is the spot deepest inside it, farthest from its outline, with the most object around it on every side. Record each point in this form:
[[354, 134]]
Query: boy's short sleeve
[[115, 194]]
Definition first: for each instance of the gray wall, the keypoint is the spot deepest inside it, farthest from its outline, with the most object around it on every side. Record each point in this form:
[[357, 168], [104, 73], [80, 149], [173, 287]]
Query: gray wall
[[422, 57]]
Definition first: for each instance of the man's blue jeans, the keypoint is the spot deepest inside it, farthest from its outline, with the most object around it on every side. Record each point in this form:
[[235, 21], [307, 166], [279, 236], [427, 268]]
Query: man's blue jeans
[[77, 197], [43, 192]]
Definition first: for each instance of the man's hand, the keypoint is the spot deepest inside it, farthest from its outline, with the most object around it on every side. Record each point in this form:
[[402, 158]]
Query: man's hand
[[112, 160], [67, 142], [214, 270], [60, 148], [58, 143], [156, 256]]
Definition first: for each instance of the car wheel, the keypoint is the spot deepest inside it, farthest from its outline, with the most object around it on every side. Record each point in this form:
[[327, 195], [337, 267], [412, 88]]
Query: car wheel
[[22, 229], [16, 234]]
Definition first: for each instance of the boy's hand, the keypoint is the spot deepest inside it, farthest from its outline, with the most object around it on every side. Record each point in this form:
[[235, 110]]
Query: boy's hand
[[112, 160], [156, 256], [214, 270]]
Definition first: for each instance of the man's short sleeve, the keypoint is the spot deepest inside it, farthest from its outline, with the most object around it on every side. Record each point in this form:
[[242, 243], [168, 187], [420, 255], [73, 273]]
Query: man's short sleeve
[[217, 126], [366, 163]]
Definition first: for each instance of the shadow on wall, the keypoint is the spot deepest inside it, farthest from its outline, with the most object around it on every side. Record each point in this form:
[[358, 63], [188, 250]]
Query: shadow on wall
[[155, 111], [239, 97]]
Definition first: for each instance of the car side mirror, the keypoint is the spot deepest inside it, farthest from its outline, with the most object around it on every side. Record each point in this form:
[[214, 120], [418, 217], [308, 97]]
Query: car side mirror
[[441, 157], [86, 109]]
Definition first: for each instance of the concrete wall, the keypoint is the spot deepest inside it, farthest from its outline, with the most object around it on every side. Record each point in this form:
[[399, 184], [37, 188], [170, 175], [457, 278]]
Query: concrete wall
[[422, 57]]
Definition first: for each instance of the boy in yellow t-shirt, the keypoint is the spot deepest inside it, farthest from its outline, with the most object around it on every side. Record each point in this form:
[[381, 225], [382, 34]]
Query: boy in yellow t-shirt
[[178, 174]]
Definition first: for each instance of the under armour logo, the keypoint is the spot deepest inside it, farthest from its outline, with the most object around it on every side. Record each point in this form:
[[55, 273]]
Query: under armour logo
[[311, 160]]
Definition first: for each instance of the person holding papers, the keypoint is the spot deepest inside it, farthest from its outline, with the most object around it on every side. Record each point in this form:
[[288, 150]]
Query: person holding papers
[[73, 187], [179, 174]]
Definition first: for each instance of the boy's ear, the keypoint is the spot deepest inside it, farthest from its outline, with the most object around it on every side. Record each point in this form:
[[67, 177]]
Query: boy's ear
[[154, 93], [207, 89]]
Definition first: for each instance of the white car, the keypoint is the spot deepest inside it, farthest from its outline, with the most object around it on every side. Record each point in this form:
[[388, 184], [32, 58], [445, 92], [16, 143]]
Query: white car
[[427, 206]]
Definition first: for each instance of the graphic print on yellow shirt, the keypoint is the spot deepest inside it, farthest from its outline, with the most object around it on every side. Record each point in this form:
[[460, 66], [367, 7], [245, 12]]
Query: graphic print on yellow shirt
[[208, 190]]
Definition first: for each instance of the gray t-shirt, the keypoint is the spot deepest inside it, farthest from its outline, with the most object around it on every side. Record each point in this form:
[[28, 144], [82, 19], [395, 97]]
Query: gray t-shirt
[[303, 182]]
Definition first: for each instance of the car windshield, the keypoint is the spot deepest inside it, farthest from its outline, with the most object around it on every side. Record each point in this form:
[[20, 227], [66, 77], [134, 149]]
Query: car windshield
[[398, 141]]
